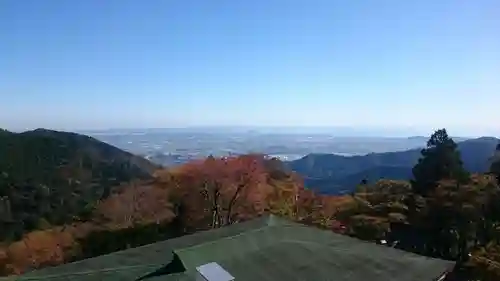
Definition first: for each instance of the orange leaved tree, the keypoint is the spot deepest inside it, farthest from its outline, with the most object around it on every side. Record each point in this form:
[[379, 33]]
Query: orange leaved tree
[[214, 192]]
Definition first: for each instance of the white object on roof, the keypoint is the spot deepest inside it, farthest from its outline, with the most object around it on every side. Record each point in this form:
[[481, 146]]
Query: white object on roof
[[212, 272]]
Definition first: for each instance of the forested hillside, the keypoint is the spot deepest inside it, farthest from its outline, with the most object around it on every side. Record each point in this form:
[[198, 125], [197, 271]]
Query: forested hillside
[[445, 211], [51, 178], [200, 195], [336, 174]]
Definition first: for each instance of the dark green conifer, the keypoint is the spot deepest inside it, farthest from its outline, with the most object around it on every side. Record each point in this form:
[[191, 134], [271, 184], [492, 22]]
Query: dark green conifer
[[440, 160]]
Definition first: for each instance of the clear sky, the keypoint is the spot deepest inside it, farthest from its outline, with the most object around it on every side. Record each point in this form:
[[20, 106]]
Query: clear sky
[[172, 63]]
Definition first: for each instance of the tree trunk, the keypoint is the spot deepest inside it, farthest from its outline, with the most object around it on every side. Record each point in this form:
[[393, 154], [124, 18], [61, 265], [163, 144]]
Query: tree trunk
[[232, 202]]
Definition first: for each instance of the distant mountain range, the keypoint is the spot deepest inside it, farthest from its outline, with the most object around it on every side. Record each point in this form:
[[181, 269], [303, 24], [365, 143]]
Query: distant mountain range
[[50, 177], [335, 174]]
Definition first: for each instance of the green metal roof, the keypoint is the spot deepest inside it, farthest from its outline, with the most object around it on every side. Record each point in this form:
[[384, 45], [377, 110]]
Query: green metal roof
[[267, 248]]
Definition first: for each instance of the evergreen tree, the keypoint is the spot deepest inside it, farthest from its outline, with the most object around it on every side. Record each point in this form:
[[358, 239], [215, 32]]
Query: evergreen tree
[[440, 160], [495, 164]]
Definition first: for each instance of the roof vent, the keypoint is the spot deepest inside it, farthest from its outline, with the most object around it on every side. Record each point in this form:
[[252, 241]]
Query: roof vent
[[212, 272]]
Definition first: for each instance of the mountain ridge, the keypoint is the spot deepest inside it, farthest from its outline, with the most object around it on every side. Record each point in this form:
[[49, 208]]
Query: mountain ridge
[[51, 177], [337, 174]]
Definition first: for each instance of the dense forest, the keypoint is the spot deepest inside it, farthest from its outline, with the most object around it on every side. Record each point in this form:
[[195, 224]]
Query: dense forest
[[51, 178], [445, 211], [200, 195]]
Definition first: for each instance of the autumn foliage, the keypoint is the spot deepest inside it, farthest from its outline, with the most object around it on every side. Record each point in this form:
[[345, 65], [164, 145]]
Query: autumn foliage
[[444, 212], [135, 204], [37, 249], [202, 194], [138, 203], [214, 192]]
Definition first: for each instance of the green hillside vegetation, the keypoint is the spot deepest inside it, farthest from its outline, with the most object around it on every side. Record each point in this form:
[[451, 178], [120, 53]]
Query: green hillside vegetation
[[495, 163], [49, 177]]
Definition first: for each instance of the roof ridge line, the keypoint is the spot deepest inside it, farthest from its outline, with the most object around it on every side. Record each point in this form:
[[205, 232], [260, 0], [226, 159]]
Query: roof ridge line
[[180, 250], [270, 220]]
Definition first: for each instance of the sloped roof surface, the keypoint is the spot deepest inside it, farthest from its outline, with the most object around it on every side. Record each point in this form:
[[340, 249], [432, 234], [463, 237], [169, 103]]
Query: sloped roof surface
[[267, 248]]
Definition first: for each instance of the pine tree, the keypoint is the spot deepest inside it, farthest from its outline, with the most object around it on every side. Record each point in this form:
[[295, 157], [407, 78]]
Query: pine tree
[[440, 160], [495, 164]]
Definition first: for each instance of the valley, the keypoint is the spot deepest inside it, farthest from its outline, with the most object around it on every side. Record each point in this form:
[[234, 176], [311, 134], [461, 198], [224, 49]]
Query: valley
[[328, 164], [66, 197]]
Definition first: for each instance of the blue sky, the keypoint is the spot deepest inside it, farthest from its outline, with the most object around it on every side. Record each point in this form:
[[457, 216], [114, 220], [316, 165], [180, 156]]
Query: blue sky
[[165, 63]]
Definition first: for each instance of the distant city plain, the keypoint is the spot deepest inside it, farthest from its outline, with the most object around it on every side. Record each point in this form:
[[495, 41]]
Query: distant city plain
[[176, 146]]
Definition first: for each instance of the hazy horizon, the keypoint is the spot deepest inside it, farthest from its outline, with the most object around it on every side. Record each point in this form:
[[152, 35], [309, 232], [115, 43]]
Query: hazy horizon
[[338, 131], [373, 64]]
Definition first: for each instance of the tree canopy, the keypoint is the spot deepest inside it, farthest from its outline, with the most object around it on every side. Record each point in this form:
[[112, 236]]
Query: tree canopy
[[443, 212], [495, 163], [440, 160], [49, 177]]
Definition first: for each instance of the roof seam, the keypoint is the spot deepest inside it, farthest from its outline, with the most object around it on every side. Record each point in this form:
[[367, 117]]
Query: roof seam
[[111, 269]]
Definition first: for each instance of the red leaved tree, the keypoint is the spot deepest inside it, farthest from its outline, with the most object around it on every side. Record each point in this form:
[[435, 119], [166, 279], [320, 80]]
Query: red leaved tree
[[217, 192], [136, 204]]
